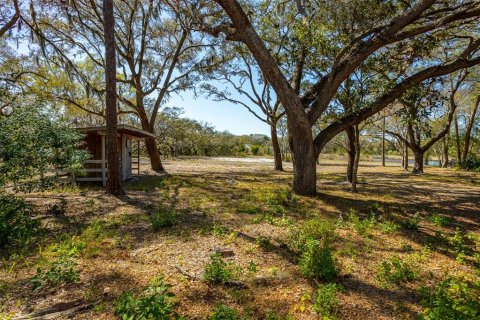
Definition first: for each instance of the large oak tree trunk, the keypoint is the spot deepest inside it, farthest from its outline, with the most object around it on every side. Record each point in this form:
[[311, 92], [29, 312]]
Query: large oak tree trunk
[[418, 166], [154, 154], [277, 155], [114, 184], [151, 145], [351, 152], [304, 160]]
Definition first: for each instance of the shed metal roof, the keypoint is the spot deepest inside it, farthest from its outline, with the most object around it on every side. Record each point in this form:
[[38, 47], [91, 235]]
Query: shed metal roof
[[122, 128]]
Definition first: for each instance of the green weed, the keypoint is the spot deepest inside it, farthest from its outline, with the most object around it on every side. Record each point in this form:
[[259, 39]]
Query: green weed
[[317, 261], [326, 300], [223, 312], [439, 220], [363, 227], [216, 271], [163, 217], [451, 298], [396, 271], [62, 270], [154, 302]]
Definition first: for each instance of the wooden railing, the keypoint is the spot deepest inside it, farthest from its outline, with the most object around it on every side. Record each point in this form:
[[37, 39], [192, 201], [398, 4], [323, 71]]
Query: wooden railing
[[102, 169]]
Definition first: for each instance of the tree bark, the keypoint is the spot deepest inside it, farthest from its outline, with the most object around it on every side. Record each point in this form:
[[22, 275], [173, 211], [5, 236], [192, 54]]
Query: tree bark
[[304, 160], [154, 154], [418, 166], [351, 152], [468, 132], [150, 142], [383, 141], [445, 151], [457, 141], [405, 157], [277, 155], [11, 23], [356, 159], [114, 183]]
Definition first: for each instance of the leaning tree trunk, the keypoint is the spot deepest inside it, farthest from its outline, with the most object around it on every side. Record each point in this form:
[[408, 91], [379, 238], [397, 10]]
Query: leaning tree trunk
[[154, 154], [418, 166], [304, 159], [114, 184], [350, 152], [277, 154], [457, 141], [445, 151], [151, 145], [405, 157], [356, 159]]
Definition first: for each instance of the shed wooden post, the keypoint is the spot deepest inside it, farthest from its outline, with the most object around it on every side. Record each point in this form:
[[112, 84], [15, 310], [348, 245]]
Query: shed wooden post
[[104, 175], [138, 157]]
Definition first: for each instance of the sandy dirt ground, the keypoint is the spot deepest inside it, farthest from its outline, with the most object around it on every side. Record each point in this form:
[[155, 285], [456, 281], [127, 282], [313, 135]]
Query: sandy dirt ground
[[226, 203]]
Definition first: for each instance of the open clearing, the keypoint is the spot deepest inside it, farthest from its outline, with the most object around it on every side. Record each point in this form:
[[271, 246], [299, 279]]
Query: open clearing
[[230, 204]]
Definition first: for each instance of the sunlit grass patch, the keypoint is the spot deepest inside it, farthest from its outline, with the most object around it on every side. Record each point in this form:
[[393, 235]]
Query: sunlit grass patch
[[147, 184]]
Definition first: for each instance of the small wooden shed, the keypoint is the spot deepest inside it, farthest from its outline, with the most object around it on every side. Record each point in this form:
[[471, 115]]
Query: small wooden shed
[[96, 166]]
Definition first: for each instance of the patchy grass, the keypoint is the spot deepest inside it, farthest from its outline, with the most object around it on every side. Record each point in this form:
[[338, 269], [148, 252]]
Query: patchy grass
[[380, 246]]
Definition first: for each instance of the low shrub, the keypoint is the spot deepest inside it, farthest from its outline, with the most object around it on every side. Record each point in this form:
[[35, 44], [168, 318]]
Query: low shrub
[[363, 227], [326, 300], [461, 245], [154, 302], [17, 228], [396, 271], [317, 261], [216, 271], [223, 312], [451, 298], [322, 231], [163, 217], [388, 226], [62, 270], [472, 163]]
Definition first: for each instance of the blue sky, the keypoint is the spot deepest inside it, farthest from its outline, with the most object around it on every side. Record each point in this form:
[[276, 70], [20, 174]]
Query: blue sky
[[223, 115]]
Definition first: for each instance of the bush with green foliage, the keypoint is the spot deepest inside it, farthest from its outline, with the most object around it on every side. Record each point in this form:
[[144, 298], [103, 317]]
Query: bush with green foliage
[[163, 217], [326, 300], [396, 271], [317, 261], [223, 312], [460, 245], [323, 231], [472, 163], [156, 302], [33, 143], [388, 226], [363, 227], [17, 228], [61, 270], [451, 298], [217, 271]]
